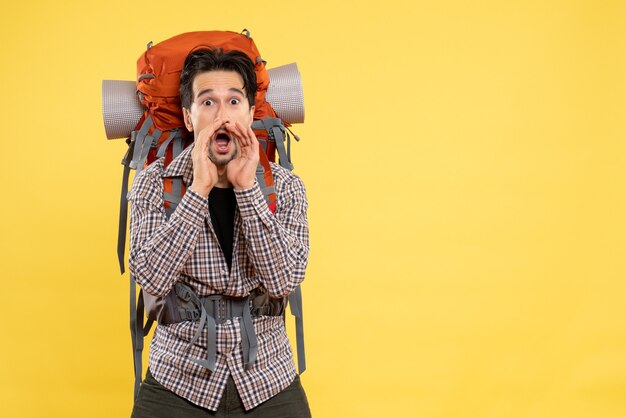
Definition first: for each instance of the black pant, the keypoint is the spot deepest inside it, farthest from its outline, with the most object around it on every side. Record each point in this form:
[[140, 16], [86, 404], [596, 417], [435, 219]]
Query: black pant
[[155, 401]]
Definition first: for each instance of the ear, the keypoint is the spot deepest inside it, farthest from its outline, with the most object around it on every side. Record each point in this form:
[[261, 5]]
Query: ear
[[187, 118]]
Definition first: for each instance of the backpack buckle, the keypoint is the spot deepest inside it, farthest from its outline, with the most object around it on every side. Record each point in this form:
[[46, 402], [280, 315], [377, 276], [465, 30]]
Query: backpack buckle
[[188, 314]]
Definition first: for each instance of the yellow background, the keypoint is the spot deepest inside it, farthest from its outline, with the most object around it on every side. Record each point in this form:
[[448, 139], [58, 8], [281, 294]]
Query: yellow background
[[465, 170]]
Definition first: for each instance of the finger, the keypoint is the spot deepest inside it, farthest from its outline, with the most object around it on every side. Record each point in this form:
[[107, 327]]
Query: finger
[[243, 135], [252, 136], [206, 135], [208, 130], [233, 128], [251, 139], [248, 133]]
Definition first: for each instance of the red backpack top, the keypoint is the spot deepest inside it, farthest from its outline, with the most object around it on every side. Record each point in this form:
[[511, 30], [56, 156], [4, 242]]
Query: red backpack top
[[160, 132], [159, 68]]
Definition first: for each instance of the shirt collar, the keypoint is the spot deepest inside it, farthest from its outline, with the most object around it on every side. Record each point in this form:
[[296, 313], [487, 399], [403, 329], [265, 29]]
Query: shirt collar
[[181, 166]]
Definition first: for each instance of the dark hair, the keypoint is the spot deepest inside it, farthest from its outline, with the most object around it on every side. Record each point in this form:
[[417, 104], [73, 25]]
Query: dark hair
[[203, 60]]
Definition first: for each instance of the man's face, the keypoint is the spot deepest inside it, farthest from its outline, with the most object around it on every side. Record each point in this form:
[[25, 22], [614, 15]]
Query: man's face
[[218, 94]]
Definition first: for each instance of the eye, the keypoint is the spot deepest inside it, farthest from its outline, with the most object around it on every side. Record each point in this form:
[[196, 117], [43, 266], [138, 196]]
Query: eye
[[208, 102], [234, 101]]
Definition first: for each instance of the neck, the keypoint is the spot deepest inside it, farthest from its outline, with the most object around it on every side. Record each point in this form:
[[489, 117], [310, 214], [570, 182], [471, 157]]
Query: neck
[[222, 178]]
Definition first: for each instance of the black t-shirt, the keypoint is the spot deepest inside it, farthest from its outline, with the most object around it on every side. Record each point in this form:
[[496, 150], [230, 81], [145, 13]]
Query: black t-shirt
[[222, 206]]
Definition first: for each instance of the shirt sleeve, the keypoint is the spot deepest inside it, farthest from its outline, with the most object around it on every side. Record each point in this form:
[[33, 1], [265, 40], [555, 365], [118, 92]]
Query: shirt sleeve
[[160, 247], [277, 244]]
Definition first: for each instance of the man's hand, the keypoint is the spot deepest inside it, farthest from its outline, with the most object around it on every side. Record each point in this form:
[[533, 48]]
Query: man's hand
[[204, 170], [241, 171]]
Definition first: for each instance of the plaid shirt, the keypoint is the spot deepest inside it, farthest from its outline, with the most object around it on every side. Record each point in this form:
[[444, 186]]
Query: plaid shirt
[[269, 250]]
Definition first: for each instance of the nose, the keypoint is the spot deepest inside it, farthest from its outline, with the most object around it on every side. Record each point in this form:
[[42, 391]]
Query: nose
[[222, 113]]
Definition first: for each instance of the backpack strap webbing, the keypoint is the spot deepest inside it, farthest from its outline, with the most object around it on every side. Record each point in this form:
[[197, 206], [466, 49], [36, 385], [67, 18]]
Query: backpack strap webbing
[[266, 182], [276, 132], [123, 218], [173, 187], [143, 143], [295, 305], [140, 139], [136, 332], [217, 309], [211, 358], [174, 134], [139, 145]]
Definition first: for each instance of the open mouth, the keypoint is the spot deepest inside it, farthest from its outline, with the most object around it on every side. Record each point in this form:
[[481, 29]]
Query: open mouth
[[221, 141]]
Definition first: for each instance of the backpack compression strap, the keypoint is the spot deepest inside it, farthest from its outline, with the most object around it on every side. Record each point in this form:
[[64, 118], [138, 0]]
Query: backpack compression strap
[[136, 331], [295, 305], [135, 158], [276, 131]]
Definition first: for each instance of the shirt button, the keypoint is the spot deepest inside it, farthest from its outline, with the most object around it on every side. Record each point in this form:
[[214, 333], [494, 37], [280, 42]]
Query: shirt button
[[228, 322]]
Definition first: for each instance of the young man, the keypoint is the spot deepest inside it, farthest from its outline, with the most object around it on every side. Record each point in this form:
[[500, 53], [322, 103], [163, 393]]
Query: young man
[[221, 241]]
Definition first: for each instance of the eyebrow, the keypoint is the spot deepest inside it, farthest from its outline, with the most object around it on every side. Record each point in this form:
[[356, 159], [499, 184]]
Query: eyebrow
[[232, 89]]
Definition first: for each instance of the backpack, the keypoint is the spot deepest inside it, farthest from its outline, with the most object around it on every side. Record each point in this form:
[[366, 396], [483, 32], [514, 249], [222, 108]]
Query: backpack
[[160, 132]]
